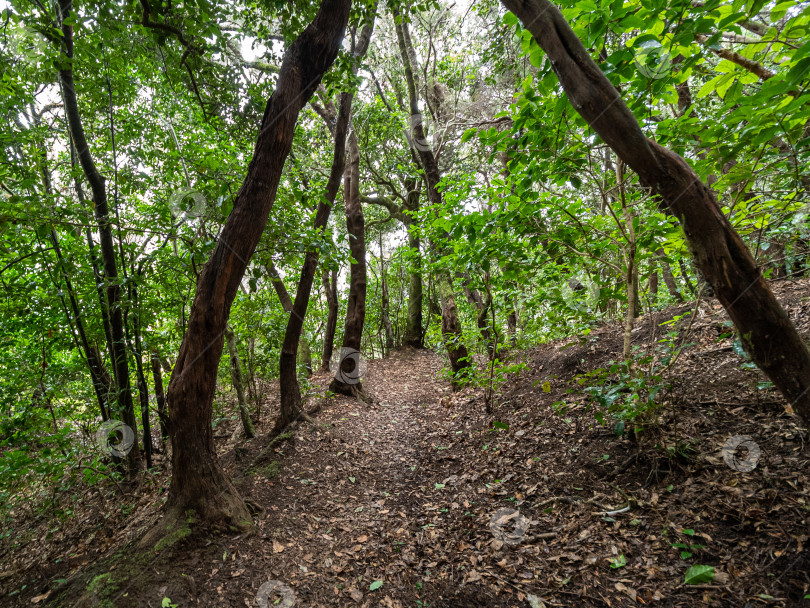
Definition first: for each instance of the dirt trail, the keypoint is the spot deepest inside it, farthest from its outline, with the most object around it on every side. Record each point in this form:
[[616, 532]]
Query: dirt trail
[[391, 504], [352, 501]]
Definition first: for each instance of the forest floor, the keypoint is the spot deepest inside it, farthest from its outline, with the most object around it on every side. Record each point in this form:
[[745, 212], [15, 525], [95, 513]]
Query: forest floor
[[409, 501]]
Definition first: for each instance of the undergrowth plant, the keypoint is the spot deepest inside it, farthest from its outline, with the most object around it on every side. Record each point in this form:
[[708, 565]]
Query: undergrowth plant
[[626, 393]]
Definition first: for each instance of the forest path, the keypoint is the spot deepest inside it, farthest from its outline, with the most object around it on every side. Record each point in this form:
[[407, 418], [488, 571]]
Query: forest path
[[391, 503], [353, 500]]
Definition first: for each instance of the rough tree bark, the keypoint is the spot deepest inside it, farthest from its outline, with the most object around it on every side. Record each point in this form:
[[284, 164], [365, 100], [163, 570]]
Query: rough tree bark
[[356, 304], [198, 482], [766, 331], [98, 188], [451, 324]]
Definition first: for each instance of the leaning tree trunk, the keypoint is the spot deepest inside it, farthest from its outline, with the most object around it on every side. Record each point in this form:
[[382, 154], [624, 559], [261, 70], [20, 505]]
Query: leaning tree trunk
[[766, 331], [333, 305], [126, 407], [278, 285], [238, 382], [198, 482], [347, 379], [451, 324]]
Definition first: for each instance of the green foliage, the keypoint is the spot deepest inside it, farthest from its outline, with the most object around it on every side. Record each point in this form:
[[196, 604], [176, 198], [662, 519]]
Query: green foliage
[[699, 574]]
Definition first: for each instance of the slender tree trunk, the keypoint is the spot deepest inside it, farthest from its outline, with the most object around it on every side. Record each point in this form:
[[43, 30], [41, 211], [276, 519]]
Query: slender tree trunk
[[143, 390], [160, 397], [451, 324], [197, 479], [278, 285], [414, 336], [100, 379], [669, 278], [291, 405], [767, 333], [356, 304], [385, 305], [330, 288], [451, 331], [97, 185], [685, 275], [482, 319], [238, 382]]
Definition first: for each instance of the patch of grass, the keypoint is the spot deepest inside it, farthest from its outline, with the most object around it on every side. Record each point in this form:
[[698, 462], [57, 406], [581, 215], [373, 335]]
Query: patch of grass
[[268, 471], [103, 586]]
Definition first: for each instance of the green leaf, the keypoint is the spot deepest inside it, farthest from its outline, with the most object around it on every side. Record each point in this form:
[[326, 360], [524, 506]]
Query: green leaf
[[510, 19], [500, 425], [698, 574], [375, 585], [470, 133]]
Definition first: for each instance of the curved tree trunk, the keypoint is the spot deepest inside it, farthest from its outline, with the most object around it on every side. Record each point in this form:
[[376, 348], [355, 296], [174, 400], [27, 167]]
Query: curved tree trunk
[[197, 480], [291, 405], [356, 305], [126, 408], [766, 331]]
